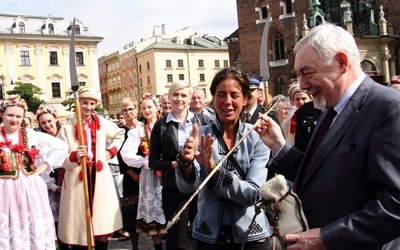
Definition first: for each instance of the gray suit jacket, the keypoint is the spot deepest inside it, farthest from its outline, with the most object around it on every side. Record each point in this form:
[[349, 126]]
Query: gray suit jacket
[[352, 190]]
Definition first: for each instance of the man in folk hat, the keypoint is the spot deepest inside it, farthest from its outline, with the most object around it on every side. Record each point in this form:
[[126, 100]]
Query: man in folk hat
[[103, 199]]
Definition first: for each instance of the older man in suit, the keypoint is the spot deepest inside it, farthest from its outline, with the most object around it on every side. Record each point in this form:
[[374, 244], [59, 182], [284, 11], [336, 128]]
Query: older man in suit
[[349, 183]]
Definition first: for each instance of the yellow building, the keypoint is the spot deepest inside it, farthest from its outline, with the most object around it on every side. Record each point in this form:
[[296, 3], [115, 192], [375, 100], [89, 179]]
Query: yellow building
[[153, 64], [194, 59], [35, 49]]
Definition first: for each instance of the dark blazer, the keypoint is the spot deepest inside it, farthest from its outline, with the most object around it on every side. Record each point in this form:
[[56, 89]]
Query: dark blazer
[[352, 190], [164, 148], [254, 117]]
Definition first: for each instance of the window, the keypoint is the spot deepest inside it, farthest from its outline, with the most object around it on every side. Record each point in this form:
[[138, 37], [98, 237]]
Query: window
[[21, 26], [148, 80], [55, 89], [288, 6], [2, 95], [282, 85], [201, 63], [168, 63], [148, 65], [77, 30], [25, 58], [216, 62], [264, 12], [51, 28], [226, 64], [169, 78], [279, 47], [180, 63], [79, 58], [202, 78], [181, 77], [140, 68], [53, 58], [140, 82]]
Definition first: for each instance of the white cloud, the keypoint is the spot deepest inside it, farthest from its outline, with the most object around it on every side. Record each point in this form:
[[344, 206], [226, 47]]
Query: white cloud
[[123, 21]]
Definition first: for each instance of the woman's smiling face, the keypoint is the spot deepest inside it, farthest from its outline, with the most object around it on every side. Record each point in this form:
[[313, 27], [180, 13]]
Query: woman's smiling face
[[229, 101]]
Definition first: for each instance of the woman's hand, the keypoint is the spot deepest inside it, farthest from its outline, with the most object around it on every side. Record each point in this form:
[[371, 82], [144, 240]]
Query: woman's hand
[[41, 168], [191, 145], [270, 133], [205, 158]]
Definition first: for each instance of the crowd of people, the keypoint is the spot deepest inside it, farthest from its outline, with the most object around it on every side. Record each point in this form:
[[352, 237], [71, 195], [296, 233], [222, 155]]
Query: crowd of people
[[333, 136]]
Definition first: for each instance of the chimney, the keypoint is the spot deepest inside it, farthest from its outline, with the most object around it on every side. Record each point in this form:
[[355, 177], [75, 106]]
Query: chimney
[[156, 31], [163, 29]]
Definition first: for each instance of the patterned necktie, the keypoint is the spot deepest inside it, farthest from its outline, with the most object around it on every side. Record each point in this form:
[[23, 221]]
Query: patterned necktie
[[323, 130]]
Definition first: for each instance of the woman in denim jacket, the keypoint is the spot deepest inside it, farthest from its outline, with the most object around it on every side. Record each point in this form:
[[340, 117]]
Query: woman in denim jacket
[[226, 204]]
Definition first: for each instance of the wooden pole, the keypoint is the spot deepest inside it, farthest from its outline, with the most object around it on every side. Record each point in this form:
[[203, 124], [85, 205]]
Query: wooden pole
[[266, 93], [75, 87], [84, 175]]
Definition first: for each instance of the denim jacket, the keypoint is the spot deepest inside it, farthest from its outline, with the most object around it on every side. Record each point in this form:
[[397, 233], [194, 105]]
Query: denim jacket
[[230, 200]]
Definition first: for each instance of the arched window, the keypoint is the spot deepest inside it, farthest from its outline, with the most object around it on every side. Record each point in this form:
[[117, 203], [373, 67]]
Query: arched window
[[282, 85], [279, 47], [368, 67], [21, 26], [51, 28]]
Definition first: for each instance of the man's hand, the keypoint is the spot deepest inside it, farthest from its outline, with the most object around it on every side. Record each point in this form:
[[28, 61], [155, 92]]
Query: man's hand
[[310, 240], [81, 152], [270, 133]]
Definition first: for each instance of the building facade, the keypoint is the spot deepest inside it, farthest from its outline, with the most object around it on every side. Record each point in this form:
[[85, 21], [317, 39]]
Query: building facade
[[152, 65], [375, 28], [35, 49]]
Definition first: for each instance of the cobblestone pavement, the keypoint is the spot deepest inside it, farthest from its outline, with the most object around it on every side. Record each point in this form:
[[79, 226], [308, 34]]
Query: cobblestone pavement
[[145, 243]]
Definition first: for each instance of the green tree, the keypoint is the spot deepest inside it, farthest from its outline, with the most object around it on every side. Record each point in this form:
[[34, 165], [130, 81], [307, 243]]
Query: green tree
[[69, 104], [28, 91]]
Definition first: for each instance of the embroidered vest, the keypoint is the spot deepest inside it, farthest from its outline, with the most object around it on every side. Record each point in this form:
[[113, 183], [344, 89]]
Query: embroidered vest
[[17, 161]]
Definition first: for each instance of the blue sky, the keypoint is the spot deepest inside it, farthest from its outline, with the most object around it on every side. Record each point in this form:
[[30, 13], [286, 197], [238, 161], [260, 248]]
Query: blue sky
[[123, 21]]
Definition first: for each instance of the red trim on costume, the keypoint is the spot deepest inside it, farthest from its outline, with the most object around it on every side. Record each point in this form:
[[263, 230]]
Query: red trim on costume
[[20, 147], [99, 165], [113, 151], [293, 121], [73, 157]]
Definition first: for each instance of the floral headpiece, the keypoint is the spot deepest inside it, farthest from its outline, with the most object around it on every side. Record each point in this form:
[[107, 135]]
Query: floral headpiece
[[14, 101], [148, 96], [43, 109], [395, 79]]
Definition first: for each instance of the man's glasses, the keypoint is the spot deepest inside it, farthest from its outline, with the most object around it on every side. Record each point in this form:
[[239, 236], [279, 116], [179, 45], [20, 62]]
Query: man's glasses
[[128, 110]]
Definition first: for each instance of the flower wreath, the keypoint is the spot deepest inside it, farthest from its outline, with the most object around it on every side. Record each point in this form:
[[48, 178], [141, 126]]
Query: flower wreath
[[395, 79]]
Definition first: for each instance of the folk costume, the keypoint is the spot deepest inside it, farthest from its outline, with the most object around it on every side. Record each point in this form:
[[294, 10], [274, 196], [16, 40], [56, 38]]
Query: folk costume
[[103, 199], [26, 221], [53, 179], [150, 215]]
